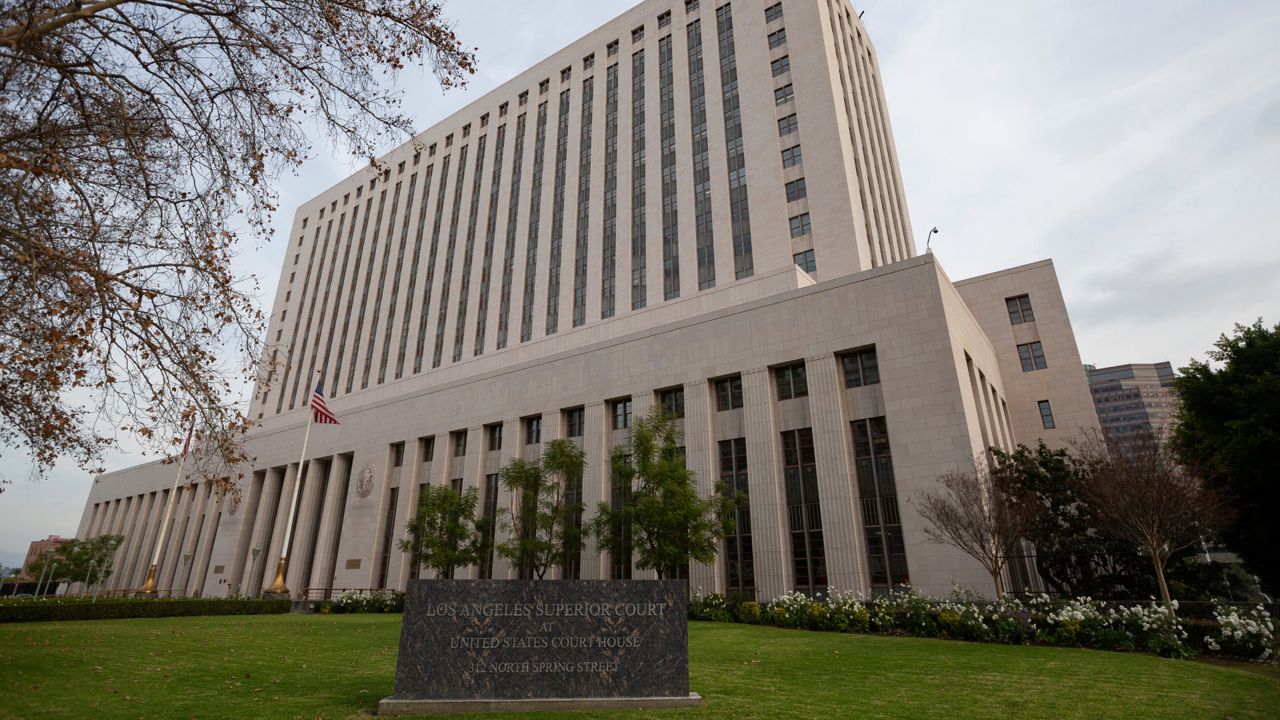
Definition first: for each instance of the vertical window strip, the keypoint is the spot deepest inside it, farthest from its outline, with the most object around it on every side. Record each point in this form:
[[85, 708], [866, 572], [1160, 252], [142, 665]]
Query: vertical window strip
[[337, 298], [509, 252], [351, 299], [395, 281], [297, 322], [424, 314], [740, 573], [638, 275], [670, 202], [413, 271], [609, 246], [557, 215], [703, 234], [886, 553], [843, 45], [584, 206], [446, 277], [324, 302], [535, 214], [364, 294], [490, 232], [739, 212], [804, 511], [299, 391], [381, 287], [872, 164], [468, 254]]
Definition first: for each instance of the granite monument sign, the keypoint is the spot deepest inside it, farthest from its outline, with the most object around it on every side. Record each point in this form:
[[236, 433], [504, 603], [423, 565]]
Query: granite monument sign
[[486, 645]]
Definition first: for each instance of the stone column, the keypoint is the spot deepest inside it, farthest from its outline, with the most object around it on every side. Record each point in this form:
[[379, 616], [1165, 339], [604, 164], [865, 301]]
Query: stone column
[[701, 458], [263, 517], [596, 486], [267, 569], [322, 568], [123, 525], [833, 449], [197, 584], [171, 554], [769, 532], [299, 573], [142, 527]]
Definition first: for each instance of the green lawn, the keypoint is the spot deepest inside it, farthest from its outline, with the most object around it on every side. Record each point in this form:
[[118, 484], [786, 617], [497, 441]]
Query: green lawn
[[339, 666]]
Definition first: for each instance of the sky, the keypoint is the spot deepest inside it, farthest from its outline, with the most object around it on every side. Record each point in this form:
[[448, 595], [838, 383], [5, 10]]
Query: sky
[[1136, 143]]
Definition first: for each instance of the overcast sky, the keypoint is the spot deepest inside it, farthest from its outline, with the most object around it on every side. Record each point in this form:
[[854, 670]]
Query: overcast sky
[[1136, 143]]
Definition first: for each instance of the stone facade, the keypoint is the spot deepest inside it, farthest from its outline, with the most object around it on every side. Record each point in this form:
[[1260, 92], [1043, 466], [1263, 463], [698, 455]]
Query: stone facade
[[566, 288]]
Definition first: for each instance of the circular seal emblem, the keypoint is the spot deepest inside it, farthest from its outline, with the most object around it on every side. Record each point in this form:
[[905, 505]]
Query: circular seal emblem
[[364, 483]]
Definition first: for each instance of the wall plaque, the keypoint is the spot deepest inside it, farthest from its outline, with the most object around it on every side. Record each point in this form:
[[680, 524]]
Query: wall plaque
[[486, 645]]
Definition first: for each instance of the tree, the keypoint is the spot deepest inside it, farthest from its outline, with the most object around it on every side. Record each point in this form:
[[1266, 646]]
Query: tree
[[445, 535], [80, 561], [1071, 557], [139, 139], [1139, 493], [1229, 431], [974, 514], [544, 529], [662, 518]]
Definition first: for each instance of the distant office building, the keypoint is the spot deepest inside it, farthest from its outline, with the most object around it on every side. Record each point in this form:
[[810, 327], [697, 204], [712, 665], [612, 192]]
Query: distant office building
[[696, 206], [1134, 399], [38, 549]]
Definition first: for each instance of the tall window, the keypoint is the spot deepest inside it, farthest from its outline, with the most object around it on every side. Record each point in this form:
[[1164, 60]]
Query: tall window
[[778, 39], [427, 448], [621, 410], [670, 202], [886, 554], [574, 422], [513, 214], [1032, 357], [388, 533], [784, 94], [703, 240], [620, 555], [672, 401], [584, 206], [557, 215], [493, 436], [1019, 308], [791, 381], [740, 573], [739, 208], [469, 249], [781, 66], [447, 278], [459, 443], [609, 246], [535, 218], [788, 125], [796, 190], [804, 511], [638, 282], [490, 237], [397, 454], [800, 225], [860, 368], [728, 393], [490, 515], [773, 12], [1046, 415], [533, 430]]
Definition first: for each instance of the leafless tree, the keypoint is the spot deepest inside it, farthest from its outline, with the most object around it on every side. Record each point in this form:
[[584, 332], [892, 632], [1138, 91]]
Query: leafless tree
[[1139, 493], [972, 514], [139, 139]]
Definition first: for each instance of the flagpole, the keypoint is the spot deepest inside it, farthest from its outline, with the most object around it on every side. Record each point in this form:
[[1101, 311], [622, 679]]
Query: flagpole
[[279, 587], [149, 587]]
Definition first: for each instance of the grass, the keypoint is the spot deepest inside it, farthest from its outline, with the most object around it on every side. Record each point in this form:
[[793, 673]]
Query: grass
[[339, 666]]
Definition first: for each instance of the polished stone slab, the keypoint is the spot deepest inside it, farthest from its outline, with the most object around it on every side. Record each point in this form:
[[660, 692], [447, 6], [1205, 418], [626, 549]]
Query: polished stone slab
[[475, 645], [391, 706]]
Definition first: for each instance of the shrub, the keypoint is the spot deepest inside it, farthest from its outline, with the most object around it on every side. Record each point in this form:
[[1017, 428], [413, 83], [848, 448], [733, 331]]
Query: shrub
[[1245, 634], [107, 609], [748, 612], [709, 607], [790, 610], [367, 601]]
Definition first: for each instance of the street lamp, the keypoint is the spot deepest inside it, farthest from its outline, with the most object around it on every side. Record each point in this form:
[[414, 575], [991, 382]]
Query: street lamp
[[929, 239]]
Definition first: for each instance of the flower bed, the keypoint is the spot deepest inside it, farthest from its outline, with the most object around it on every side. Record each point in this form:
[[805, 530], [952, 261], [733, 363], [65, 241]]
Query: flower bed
[[1245, 634], [365, 601]]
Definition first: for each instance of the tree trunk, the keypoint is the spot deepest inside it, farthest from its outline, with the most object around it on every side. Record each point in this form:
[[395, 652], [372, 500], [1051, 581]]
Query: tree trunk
[[999, 583], [1164, 587]]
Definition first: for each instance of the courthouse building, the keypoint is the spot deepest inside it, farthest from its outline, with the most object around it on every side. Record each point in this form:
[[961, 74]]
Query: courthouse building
[[698, 204]]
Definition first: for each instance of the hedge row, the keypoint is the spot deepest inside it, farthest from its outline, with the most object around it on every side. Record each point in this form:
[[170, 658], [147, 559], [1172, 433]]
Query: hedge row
[[109, 609]]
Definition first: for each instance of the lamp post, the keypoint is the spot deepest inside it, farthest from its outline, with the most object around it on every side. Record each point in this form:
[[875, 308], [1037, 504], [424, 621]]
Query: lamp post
[[929, 239]]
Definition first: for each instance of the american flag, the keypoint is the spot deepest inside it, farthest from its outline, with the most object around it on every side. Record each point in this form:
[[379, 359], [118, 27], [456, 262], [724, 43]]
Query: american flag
[[320, 411]]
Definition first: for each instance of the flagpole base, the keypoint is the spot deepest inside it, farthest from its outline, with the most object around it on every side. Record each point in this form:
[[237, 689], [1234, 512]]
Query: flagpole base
[[148, 588], [278, 590]]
